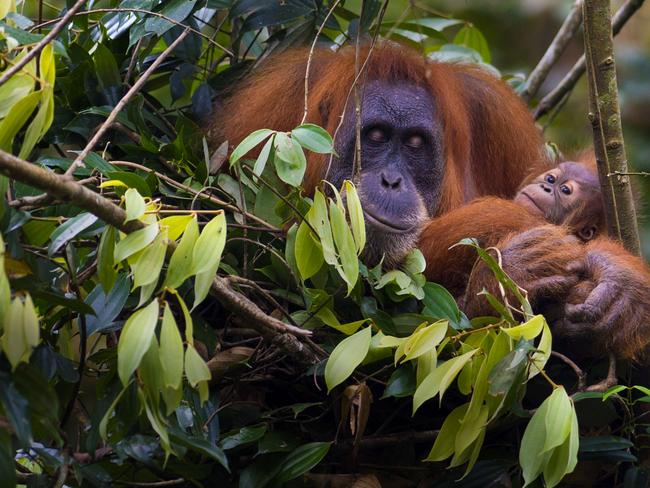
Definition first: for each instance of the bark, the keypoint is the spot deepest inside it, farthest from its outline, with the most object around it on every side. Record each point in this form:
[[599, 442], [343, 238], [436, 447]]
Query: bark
[[605, 117]]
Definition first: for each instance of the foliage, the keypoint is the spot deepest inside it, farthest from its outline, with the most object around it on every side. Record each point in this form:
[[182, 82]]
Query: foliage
[[118, 367]]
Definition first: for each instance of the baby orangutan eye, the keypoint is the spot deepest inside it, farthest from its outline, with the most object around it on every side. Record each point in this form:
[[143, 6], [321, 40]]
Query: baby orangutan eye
[[565, 189], [550, 179]]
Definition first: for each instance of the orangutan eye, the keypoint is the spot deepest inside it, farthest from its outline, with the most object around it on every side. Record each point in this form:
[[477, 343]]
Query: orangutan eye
[[415, 141], [550, 179], [377, 134], [565, 189]]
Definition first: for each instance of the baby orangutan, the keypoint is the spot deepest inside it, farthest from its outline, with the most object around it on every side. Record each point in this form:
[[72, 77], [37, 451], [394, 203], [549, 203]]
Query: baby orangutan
[[569, 195]]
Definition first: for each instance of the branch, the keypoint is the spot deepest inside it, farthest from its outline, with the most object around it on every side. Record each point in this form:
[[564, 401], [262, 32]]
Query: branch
[[605, 117], [42, 43], [122, 103], [561, 40], [63, 188], [568, 82]]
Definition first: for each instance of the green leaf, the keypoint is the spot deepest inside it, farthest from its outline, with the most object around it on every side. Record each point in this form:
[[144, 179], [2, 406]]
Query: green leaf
[[355, 213], [319, 220], [134, 204], [440, 304], [439, 380], [175, 225], [108, 74], [196, 370], [443, 447], [146, 269], [425, 339], [207, 255], [16, 118], [531, 456], [346, 356], [308, 252], [15, 406], [14, 89], [134, 242], [246, 435], [43, 119], [314, 138], [135, 339], [209, 245], [263, 157], [171, 350], [69, 230], [301, 460], [345, 247], [557, 421], [249, 143], [290, 161], [105, 261], [565, 457], [472, 38], [528, 330], [177, 10], [21, 331], [180, 264], [202, 446]]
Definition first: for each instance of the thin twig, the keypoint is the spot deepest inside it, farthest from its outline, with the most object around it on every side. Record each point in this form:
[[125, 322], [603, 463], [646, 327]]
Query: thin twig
[[309, 58], [146, 12], [122, 103], [60, 24], [571, 78], [561, 40], [356, 165], [576, 369]]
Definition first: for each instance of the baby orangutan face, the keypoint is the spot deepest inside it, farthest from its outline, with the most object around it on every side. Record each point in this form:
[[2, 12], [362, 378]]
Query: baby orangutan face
[[568, 194]]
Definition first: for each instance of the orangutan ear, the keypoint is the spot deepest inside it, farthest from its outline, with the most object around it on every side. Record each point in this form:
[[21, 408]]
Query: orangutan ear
[[587, 233]]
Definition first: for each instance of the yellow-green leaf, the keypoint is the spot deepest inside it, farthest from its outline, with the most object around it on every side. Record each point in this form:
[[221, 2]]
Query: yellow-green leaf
[[443, 447], [425, 339], [531, 456], [171, 351], [146, 269], [543, 352], [207, 255], [557, 420], [134, 242], [176, 225], [308, 252], [346, 356], [345, 247], [440, 379], [180, 264], [134, 203], [135, 340], [528, 330], [355, 213]]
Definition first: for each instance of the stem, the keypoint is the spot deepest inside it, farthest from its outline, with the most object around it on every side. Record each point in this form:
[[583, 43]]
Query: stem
[[568, 82], [561, 40], [605, 117]]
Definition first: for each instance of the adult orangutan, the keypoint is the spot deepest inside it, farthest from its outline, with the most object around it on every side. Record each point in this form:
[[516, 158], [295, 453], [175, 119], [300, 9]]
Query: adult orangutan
[[434, 136]]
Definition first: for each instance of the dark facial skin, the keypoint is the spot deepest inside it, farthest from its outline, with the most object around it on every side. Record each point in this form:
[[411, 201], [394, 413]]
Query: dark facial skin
[[557, 193], [401, 165]]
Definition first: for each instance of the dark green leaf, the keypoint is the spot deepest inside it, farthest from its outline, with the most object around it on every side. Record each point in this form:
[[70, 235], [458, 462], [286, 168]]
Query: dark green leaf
[[301, 460], [69, 230]]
